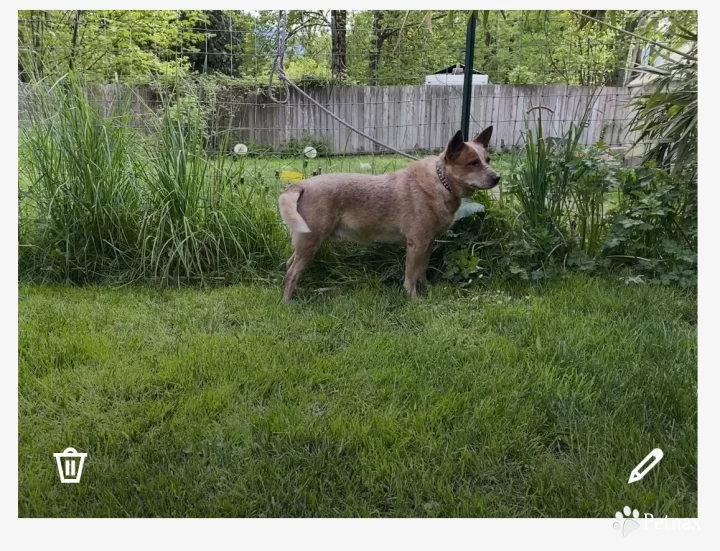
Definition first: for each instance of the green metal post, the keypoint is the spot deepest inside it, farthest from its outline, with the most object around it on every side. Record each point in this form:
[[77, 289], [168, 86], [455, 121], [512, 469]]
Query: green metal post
[[467, 83]]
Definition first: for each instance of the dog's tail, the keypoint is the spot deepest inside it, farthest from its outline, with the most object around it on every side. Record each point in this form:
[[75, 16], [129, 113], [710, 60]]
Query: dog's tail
[[288, 209]]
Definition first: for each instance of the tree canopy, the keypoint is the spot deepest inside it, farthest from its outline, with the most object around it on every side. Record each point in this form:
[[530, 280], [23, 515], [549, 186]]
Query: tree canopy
[[389, 47]]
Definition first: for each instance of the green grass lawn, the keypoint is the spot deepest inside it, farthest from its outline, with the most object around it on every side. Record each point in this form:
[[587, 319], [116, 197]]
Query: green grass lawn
[[355, 401]]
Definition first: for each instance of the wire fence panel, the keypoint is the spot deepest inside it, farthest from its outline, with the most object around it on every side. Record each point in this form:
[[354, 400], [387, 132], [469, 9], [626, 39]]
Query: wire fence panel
[[133, 45], [375, 82]]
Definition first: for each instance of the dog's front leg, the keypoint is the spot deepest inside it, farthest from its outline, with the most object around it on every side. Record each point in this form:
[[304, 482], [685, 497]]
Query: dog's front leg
[[415, 264], [422, 279]]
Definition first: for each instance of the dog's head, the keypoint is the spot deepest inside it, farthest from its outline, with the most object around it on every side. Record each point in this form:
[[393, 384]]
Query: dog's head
[[468, 163]]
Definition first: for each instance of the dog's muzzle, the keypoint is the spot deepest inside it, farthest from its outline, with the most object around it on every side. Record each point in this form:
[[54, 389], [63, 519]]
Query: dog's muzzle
[[494, 181]]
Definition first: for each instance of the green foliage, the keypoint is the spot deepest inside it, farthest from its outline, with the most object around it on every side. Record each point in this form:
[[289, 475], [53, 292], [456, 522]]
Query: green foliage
[[196, 224], [81, 206], [109, 45], [174, 214], [560, 188], [226, 42], [666, 113], [169, 212], [572, 207], [531, 47], [522, 75], [461, 266], [190, 115], [385, 47], [306, 71], [653, 228]]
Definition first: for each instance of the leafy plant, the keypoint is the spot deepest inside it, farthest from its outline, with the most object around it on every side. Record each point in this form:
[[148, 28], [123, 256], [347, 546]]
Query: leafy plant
[[560, 187], [592, 174], [653, 229], [461, 267], [543, 176]]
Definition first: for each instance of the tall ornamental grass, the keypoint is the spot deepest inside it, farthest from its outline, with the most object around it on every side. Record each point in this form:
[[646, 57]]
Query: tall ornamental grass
[[200, 220], [100, 200], [81, 211]]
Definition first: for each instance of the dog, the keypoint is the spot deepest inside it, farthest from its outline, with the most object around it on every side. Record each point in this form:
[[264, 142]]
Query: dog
[[410, 207]]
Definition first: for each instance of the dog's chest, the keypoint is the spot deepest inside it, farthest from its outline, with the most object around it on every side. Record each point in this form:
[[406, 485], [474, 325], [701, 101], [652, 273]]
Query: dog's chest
[[445, 216]]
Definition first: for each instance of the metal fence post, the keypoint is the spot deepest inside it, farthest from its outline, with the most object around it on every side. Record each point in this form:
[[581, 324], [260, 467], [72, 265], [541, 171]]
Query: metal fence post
[[468, 73]]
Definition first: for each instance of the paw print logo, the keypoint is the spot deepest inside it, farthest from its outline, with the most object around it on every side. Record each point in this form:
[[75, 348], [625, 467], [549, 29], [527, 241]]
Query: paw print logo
[[627, 521]]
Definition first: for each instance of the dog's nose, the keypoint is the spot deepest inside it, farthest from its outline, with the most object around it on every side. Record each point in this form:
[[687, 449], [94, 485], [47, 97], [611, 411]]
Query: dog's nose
[[496, 179]]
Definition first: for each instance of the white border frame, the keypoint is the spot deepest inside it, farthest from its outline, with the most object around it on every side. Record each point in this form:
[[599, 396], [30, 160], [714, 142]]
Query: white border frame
[[378, 533]]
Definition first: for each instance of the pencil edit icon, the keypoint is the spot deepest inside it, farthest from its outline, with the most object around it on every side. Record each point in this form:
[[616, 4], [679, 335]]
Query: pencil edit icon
[[644, 467], [70, 465]]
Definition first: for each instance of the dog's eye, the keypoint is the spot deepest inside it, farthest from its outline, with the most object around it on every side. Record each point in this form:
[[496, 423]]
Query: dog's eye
[[476, 162]]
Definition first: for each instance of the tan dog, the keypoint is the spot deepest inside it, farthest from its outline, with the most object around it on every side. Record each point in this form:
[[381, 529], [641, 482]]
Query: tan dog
[[411, 206]]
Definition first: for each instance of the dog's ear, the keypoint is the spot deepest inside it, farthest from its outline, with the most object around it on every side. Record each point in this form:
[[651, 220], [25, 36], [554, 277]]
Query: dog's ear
[[455, 146], [484, 137]]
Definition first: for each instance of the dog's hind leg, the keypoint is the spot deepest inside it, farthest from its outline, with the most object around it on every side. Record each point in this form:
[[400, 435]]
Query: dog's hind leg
[[306, 246], [415, 264]]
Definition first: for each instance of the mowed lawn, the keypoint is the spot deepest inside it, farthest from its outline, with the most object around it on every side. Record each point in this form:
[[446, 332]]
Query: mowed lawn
[[507, 400]]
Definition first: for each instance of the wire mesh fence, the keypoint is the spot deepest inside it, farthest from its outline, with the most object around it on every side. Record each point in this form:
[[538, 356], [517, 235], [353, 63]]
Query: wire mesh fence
[[369, 68]]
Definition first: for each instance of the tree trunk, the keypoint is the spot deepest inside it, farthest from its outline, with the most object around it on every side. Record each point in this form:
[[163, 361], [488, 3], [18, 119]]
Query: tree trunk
[[338, 30], [490, 50], [377, 41], [626, 50], [73, 52]]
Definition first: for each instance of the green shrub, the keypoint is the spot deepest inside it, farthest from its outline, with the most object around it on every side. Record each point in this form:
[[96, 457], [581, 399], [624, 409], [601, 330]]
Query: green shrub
[[653, 228]]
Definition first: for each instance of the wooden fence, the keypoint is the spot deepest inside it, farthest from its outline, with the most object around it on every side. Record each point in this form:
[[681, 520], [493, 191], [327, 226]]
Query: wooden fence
[[424, 117], [407, 117]]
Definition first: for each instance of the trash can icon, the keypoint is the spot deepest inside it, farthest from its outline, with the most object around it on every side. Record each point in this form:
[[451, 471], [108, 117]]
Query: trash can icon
[[70, 465]]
